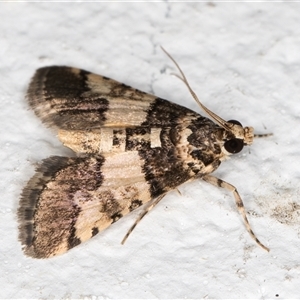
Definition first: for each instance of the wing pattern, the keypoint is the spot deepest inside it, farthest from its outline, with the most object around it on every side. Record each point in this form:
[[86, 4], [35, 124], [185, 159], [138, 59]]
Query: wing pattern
[[131, 147]]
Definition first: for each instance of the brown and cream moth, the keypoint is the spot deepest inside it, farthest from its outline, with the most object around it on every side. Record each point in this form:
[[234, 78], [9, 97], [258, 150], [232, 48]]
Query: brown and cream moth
[[132, 148]]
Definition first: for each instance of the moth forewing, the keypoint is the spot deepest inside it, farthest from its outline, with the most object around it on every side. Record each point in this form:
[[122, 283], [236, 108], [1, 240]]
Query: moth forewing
[[132, 147]]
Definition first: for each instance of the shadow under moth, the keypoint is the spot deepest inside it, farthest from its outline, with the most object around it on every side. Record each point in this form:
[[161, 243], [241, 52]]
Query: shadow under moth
[[132, 148]]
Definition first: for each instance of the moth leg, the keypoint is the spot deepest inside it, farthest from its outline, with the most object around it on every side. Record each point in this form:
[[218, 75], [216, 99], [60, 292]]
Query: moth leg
[[239, 203], [142, 215], [178, 191]]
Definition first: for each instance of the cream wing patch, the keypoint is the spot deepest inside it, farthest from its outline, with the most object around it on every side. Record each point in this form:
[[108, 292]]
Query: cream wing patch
[[123, 184]]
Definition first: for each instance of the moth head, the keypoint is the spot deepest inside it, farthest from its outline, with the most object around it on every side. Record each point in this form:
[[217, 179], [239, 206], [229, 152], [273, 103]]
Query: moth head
[[235, 136]]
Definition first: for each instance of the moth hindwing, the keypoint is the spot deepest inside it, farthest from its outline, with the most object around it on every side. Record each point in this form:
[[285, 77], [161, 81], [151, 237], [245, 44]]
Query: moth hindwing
[[132, 147]]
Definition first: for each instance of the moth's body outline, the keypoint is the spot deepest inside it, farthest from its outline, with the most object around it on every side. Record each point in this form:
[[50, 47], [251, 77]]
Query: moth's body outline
[[132, 147]]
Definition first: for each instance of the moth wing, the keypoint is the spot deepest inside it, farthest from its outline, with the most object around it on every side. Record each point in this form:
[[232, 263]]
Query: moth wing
[[73, 99], [69, 200]]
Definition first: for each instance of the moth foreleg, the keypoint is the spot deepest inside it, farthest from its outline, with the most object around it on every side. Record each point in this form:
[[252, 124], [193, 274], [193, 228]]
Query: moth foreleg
[[142, 215], [239, 203]]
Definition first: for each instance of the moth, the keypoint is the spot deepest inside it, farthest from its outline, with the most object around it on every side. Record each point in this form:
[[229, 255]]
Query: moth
[[130, 149]]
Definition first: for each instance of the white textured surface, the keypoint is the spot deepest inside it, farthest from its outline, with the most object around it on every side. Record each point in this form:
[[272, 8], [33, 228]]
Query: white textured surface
[[243, 60]]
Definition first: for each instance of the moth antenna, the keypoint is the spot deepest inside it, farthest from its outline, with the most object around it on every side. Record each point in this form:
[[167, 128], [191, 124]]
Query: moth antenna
[[218, 119]]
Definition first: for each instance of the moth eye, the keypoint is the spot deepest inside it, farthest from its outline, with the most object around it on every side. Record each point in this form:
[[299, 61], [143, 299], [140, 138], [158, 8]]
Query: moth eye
[[234, 145], [235, 122]]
